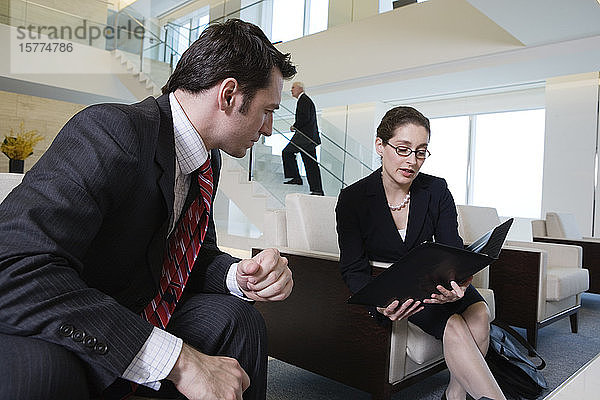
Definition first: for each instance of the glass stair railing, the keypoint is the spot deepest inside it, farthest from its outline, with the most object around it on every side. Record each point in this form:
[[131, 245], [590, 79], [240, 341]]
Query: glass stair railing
[[95, 25], [339, 167]]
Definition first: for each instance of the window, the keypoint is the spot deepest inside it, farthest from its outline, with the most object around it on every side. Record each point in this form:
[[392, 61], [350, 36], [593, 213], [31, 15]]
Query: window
[[295, 18], [318, 16], [182, 32], [259, 13], [504, 153], [288, 20], [449, 147], [508, 162]]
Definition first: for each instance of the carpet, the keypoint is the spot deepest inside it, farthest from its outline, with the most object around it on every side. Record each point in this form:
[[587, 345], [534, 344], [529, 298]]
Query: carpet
[[563, 351]]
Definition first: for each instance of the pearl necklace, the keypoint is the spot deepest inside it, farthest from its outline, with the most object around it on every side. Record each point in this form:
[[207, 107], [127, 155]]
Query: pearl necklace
[[401, 205]]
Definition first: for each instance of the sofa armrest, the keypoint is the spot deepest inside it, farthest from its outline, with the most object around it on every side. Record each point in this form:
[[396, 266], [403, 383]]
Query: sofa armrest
[[559, 255], [591, 256], [315, 329], [310, 253], [518, 279]]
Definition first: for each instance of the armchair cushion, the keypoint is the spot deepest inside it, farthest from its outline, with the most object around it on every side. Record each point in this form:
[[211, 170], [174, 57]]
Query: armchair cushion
[[310, 222], [563, 282], [421, 347]]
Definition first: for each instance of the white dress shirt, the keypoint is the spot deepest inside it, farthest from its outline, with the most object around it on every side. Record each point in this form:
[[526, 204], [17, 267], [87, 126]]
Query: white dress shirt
[[158, 355]]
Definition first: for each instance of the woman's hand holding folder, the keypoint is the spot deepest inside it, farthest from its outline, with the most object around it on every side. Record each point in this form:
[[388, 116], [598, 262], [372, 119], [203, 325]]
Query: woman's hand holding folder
[[396, 312], [448, 296]]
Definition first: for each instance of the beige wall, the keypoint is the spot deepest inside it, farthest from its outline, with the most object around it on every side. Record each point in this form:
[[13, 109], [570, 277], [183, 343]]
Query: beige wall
[[346, 11], [45, 115], [570, 149]]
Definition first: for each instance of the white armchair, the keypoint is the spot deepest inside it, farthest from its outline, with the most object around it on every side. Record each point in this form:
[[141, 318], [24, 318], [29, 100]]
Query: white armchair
[[535, 283], [562, 228], [8, 182], [335, 339]]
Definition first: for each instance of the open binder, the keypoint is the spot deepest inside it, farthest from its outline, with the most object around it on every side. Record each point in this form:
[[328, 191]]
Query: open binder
[[416, 275]]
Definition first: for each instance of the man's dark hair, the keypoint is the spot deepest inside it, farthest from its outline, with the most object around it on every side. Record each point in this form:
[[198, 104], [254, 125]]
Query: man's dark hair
[[233, 49], [397, 117]]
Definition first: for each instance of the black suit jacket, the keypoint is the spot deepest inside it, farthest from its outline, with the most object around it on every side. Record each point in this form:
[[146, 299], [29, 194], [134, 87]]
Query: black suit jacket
[[83, 236], [366, 229], [306, 123]]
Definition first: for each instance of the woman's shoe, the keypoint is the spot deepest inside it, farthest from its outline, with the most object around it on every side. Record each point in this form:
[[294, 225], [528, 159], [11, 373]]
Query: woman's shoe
[[444, 396]]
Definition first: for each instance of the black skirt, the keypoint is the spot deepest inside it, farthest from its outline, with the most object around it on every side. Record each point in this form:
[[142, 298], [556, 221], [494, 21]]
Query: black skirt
[[432, 319]]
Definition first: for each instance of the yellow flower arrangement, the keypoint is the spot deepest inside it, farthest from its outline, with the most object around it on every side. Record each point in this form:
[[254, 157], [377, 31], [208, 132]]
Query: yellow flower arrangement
[[20, 146]]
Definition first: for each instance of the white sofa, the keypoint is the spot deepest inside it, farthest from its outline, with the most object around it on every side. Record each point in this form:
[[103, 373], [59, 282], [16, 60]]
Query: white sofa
[[535, 283], [306, 232], [8, 182]]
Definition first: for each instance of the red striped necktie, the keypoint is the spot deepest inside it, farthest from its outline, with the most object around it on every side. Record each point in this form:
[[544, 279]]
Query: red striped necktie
[[182, 251]]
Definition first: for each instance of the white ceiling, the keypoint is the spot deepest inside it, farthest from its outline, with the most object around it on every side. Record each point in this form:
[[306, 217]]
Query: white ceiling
[[536, 22], [556, 37]]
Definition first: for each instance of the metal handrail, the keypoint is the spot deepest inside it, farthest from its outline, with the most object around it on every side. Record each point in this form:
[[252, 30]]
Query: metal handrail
[[330, 140], [160, 41], [309, 156]]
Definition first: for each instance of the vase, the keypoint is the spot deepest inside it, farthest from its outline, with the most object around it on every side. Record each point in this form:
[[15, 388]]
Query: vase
[[16, 166]]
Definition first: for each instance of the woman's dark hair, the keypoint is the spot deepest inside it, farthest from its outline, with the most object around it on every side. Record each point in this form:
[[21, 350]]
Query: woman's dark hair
[[397, 117], [233, 49]]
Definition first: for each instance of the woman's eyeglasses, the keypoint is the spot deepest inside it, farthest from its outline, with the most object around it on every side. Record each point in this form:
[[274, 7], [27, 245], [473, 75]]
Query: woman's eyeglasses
[[404, 151]]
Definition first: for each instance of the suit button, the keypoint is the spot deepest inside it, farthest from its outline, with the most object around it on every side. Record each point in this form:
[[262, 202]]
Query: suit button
[[90, 341], [66, 330], [100, 348], [78, 335]]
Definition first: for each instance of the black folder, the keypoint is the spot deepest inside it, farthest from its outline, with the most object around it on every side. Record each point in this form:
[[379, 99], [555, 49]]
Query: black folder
[[417, 274]]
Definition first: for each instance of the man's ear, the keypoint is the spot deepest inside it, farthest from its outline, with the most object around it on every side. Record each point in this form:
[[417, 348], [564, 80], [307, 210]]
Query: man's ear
[[228, 90]]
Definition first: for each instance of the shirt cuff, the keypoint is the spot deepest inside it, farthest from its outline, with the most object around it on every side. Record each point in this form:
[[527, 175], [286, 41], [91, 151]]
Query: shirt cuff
[[155, 360], [232, 284]]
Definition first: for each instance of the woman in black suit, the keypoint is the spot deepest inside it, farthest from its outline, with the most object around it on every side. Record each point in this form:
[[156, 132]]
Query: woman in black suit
[[383, 216]]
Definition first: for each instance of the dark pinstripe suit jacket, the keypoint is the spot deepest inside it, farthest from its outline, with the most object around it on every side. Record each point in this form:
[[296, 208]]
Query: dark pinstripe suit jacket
[[82, 237]]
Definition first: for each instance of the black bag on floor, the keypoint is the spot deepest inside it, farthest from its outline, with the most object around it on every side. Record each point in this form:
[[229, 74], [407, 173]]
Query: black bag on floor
[[516, 374]]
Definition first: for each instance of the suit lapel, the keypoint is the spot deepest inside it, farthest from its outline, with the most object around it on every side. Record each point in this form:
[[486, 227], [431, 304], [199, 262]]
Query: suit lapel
[[419, 203], [165, 164], [382, 216]]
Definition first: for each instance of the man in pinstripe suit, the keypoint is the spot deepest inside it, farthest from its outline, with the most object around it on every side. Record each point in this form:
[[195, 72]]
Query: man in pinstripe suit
[[83, 239]]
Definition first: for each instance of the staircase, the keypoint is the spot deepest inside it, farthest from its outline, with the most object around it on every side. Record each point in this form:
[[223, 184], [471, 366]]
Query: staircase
[[140, 84], [245, 194], [265, 192]]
